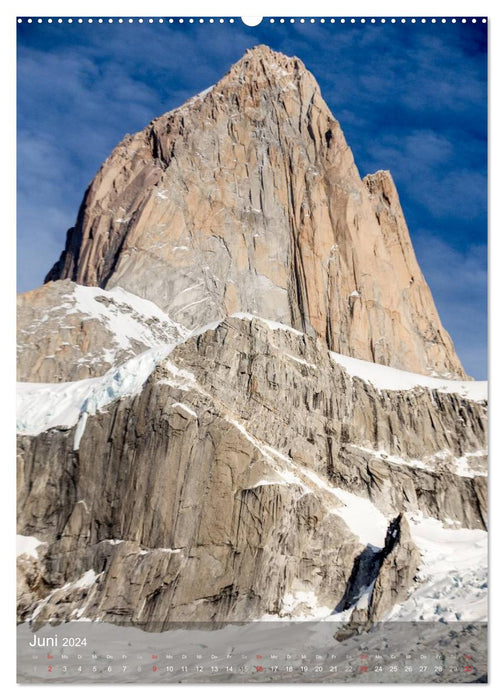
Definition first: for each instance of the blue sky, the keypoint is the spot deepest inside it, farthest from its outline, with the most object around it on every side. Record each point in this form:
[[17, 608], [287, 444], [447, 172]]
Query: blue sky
[[410, 99]]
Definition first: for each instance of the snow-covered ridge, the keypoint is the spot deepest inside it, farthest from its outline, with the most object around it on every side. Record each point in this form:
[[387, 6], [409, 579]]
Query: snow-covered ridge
[[44, 406], [273, 325], [91, 327], [391, 379], [383, 377], [125, 315]]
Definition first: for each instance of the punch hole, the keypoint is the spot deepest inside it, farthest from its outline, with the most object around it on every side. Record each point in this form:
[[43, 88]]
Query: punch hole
[[252, 21]]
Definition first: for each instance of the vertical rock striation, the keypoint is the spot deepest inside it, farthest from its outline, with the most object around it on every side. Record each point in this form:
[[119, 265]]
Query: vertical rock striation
[[250, 475]]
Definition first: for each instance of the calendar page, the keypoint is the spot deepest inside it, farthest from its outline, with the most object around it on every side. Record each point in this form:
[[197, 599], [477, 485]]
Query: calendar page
[[251, 326]]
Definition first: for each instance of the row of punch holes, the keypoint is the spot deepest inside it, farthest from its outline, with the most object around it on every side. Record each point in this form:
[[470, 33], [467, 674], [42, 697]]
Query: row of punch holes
[[232, 20]]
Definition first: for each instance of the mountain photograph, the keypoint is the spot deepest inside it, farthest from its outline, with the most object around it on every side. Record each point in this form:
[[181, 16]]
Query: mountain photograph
[[237, 403]]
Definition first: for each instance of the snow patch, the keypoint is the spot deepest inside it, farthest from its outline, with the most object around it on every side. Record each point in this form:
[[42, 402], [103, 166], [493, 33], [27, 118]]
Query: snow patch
[[391, 379], [274, 325], [300, 361], [267, 482], [44, 406], [454, 573], [185, 408], [458, 465], [86, 580], [193, 303], [463, 464], [127, 316], [27, 545], [182, 379], [272, 456], [360, 515], [302, 605], [40, 407]]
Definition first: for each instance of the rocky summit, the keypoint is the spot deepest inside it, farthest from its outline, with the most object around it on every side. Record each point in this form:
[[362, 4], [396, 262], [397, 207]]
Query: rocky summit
[[236, 400], [247, 198]]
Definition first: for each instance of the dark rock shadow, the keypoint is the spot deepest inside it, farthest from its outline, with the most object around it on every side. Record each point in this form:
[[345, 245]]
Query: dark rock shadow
[[364, 572]]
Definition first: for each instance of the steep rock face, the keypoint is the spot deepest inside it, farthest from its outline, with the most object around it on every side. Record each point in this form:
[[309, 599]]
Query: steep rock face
[[67, 332], [389, 445], [247, 198], [400, 560], [181, 518], [380, 579], [225, 489]]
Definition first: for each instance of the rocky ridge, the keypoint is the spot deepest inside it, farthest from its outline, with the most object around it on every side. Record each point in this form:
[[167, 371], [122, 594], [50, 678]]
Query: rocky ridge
[[271, 470], [68, 332]]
